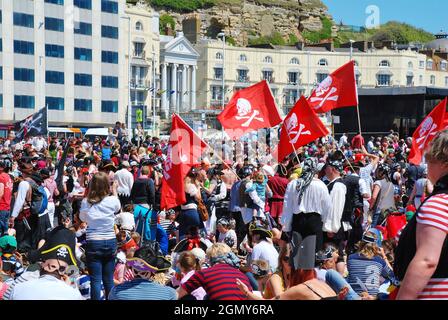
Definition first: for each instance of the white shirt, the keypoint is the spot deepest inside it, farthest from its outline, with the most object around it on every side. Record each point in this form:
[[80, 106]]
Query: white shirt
[[343, 141], [45, 288], [125, 220], [125, 181], [39, 143], [22, 191], [100, 218], [332, 222], [266, 251], [316, 198], [366, 175]]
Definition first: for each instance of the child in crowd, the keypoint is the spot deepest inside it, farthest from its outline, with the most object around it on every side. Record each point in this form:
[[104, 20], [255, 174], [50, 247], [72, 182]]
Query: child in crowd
[[120, 268], [260, 185], [226, 234]]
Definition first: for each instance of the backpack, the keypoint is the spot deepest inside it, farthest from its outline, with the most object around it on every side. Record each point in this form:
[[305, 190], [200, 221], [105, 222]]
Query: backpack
[[145, 223], [39, 199]]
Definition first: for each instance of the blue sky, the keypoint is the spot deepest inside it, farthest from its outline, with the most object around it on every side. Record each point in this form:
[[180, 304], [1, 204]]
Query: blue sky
[[430, 15]]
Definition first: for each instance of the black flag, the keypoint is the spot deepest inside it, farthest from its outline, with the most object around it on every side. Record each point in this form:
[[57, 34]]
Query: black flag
[[34, 125]]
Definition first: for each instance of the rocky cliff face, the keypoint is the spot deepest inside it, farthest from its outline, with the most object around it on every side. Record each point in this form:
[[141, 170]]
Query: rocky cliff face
[[246, 19]]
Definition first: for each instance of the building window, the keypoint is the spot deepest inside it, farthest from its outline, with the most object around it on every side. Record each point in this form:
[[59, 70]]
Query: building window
[[422, 64], [1, 45], [443, 65], [384, 80], [83, 79], [138, 75], [109, 82], [294, 61], [24, 102], [109, 57], [138, 97], [59, 2], [218, 73], [291, 97], [83, 4], [54, 103], [267, 59], [1, 100], [109, 6], [54, 77], [83, 54], [22, 74], [54, 24], [139, 26], [410, 81], [446, 81], [410, 65], [242, 75], [243, 58], [1, 73], [323, 62], [358, 79], [83, 105], [321, 77], [216, 93], [109, 106], [293, 78], [23, 20], [420, 79], [429, 64], [219, 56], [268, 76], [433, 80], [384, 63], [83, 28], [54, 51], [109, 32], [138, 49], [23, 47]]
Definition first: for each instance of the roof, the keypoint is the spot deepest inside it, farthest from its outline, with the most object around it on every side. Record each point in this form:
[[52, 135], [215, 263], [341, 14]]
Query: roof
[[438, 44]]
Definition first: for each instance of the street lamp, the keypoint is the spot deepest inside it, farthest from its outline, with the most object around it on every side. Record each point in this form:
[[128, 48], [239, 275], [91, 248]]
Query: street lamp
[[351, 49], [129, 78], [223, 36]]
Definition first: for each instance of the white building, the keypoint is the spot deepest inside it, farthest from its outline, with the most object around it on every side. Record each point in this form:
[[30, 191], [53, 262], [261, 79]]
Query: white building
[[66, 54], [178, 74]]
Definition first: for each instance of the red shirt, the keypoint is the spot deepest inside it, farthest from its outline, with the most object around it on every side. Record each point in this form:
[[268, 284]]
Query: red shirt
[[5, 201], [219, 282], [357, 142]]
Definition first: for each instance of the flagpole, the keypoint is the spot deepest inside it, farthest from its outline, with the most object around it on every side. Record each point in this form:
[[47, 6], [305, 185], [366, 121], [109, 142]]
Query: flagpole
[[48, 130]]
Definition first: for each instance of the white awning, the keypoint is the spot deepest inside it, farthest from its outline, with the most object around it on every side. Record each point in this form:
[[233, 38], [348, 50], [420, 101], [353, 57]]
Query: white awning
[[386, 72], [139, 40], [97, 132]]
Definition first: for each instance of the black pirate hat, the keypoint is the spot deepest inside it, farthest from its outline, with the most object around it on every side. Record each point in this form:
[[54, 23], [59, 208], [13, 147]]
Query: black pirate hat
[[60, 244]]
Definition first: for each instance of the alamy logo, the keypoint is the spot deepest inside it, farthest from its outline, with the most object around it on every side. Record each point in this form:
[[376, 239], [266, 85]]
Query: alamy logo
[[373, 18], [72, 18], [245, 112]]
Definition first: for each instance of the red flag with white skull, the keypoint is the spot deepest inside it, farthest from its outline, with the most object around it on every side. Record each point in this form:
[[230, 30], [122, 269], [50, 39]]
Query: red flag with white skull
[[300, 127], [184, 150], [250, 109], [426, 132], [338, 90]]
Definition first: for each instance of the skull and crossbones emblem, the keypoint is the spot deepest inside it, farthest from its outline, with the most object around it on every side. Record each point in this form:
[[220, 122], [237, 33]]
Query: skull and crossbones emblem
[[245, 112], [325, 92], [62, 252], [291, 128], [427, 130]]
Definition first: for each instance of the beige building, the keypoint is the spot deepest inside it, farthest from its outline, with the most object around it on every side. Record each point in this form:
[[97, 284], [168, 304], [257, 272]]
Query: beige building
[[293, 71], [144, 50]]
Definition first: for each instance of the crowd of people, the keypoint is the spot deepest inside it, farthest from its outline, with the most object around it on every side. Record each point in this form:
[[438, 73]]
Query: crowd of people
[[337, 220]]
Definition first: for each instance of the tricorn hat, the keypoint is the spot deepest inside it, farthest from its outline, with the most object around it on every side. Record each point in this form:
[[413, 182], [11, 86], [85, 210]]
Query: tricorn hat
[[60, 244], [149, 260]]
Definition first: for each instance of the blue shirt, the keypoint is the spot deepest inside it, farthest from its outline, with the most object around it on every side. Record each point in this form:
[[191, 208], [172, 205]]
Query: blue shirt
[[105, 152], [367, 273], [142, 289], [234, 205]]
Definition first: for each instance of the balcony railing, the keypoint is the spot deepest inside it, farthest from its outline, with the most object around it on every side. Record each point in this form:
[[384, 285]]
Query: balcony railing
[[243, 79], [294, 83], [290, 101], [139, 54], [217, 77], [269, 79], [140, 84]]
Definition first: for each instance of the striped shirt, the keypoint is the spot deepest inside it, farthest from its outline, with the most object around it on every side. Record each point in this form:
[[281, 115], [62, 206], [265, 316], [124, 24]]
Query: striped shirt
[[142, 289], [366, 273], [219, 282], [435, 213]]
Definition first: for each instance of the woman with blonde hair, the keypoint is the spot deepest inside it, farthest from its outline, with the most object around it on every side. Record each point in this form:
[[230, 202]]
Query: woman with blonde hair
[[421, 258], [372, 258], [99, 210]]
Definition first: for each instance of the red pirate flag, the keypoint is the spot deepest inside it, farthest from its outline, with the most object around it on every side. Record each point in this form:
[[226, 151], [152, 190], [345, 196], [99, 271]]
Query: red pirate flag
[[338, 90], [184, 150], [426, 132], [300, 127], [250, 109]]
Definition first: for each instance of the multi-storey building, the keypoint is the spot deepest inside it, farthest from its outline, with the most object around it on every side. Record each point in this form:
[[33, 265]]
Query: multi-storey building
[[292, 71]]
